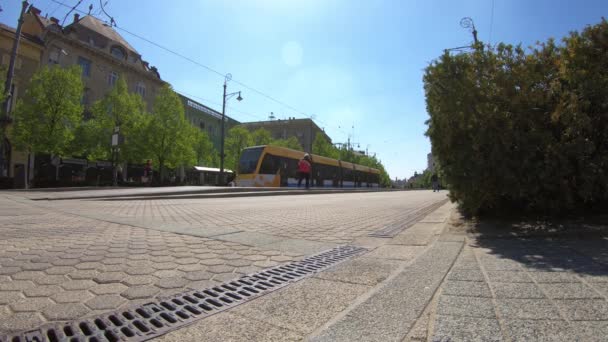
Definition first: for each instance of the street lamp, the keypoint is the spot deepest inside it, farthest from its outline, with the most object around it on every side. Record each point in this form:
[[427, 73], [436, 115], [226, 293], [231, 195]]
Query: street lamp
[[225, 98], [467, 22]]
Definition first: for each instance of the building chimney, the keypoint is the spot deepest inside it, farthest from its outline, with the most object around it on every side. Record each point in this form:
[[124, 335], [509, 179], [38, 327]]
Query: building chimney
[[55, 20], [34, 10], [76, 17]]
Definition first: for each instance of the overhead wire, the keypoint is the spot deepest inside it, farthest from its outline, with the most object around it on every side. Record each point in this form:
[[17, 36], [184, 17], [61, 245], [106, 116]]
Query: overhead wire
[[175, 53]]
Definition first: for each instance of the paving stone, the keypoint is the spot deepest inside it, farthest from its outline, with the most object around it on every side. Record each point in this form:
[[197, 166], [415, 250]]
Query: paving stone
[[591, 331], [139, 280], [59, 270], [77, 285], [517, 290], [466, 306], [65, 262], [584, 309], [266, 264], [554, 277], [17, 285], [71, 296], [7, 297], [239, 263], [466, 275], [165, 266], [110, 277], [457, 328], [20, 321], [500, 265], [541, 330], [89, 266], [466, 288], [290, 308], [186, 261], [224, 277], [105, 302], [228, 327], [395, 252], [9, 270], [212, 262], [220, 269], [42, 291], [31, 304], [83, 274], [171, 283], [65, 312], [103, 289], [35, 266], [139, 292], [570, 291], [28, 275], [509, 277], [367, 271], [527, 309], [139, 270], [198, 275], [201, 284], [112, 261], [192, 267]]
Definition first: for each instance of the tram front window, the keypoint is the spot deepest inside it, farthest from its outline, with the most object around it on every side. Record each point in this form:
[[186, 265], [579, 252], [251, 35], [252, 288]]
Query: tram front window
[[249, 160]]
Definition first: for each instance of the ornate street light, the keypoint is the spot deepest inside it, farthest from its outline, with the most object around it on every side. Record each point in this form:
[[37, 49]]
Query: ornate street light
[[468, 23], [225, 98]]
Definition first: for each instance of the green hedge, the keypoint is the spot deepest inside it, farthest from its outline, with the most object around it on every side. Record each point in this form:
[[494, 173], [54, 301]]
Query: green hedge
[[523, 130]]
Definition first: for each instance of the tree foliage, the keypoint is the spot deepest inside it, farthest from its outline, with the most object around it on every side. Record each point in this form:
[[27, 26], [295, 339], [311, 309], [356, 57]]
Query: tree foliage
[[523, 129], [118, 108], [206, 155], [237, 139], [169, 137], [45, 121], [291, 142]]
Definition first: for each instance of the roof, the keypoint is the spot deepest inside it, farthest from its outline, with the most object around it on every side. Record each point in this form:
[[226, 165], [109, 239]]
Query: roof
[[29, 37], [100, 27]]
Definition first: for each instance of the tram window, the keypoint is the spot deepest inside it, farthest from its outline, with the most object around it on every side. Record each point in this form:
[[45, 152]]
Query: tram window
[[249, 160], [270, 164]]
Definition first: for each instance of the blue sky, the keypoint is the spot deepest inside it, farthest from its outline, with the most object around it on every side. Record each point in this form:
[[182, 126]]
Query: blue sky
[[355, 65]]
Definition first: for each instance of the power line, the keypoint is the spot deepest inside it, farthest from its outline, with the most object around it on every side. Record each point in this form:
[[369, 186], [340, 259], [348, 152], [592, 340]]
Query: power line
[[113, 22]]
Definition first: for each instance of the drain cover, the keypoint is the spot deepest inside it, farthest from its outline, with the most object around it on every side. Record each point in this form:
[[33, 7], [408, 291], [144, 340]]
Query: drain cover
[[143, 322], [397, 227]]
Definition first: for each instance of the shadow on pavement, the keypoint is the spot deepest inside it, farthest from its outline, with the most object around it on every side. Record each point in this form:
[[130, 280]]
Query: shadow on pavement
[[576, 247]]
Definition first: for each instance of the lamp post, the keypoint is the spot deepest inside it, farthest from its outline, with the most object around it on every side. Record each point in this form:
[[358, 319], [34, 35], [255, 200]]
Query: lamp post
[[225, 98], [467, 22]]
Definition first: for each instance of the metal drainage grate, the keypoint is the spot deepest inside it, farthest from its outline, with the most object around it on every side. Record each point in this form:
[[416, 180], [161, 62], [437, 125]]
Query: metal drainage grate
[[397, 227], [143, 322]]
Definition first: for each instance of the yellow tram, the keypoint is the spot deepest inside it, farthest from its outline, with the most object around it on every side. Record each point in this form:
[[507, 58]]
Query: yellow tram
[[273, 166]]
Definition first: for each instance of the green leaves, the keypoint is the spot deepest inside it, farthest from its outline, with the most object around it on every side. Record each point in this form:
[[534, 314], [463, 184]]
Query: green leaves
[[521, 130], [51, 113]]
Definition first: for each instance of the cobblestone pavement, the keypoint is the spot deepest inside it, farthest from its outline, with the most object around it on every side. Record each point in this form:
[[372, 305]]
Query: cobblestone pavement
[[526, 290], [62, 260]]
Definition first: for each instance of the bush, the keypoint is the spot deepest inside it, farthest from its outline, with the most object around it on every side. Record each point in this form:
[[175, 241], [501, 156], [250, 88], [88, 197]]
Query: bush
[[525, 131]]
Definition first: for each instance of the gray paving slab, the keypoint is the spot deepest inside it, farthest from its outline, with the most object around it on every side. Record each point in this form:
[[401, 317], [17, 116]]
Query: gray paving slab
[[459, 328], [555, 277], [466, 288], [517, 290], [570, 291], [592, 331], [304, 306], [509, 276], [584, 309], [396, 252], [527, 309], [362, 270], [466, 275], [541, 330], [466, 306], [230, 327], [251, 238], [390, 312], [300, 246]]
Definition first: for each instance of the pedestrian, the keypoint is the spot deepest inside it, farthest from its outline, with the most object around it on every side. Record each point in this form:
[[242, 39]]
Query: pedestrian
[[304, 170], [147, 178], [435, 181]]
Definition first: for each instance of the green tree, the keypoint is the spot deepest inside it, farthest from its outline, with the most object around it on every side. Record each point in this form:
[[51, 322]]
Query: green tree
[[291, 142], [323, 147], [46, 120], [118, 108], [169, 137], [206, 155], [261, 136], [237, 139]]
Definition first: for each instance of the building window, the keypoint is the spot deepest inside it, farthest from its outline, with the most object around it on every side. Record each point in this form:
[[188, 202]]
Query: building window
[[54, 56], [85, 64], [201, 125], [85, 97], [140, 88], [118, 52], [133, 58], [112, 77]]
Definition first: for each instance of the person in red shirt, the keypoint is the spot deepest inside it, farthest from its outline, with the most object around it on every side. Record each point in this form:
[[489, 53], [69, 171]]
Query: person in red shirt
[[304, 170]]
